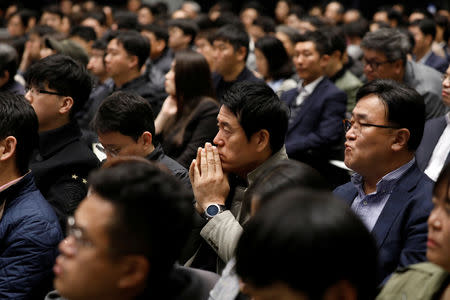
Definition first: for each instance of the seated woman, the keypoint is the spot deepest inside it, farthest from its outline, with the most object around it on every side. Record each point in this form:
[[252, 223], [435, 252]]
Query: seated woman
[[187, 119], [274, 64], [430, 280]]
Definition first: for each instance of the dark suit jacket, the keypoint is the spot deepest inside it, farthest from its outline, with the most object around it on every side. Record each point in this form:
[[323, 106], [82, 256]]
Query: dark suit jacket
[[431, 134], [437, 62], [317, 128], [401, 229]]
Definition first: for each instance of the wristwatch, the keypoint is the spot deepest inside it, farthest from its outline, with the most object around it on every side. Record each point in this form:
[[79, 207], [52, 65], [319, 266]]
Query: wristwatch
[[213, 210]]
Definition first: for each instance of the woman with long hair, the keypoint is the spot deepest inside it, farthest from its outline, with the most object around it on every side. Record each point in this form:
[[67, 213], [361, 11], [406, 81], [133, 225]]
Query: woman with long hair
[[188, 116], [274, 64]]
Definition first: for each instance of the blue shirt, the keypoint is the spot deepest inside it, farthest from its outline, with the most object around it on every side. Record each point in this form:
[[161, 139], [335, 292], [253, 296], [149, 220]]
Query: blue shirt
[[369, 207]]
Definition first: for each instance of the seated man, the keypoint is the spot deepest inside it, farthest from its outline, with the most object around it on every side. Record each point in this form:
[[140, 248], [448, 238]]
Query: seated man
[[252, 125], [125, 56], [29, 228], [317, 106], [388, 191], [182, 34], [385, 57], [424, 32], [125, 126], [58, 87], [231, 44], [434, 149], [428, 280], [160, 54], [306, 245], [121, 244]]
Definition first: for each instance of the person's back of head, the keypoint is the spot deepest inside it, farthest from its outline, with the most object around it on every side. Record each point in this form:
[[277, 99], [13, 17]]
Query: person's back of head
[[18, 120], [134, 44], [278, 62], [8, 64], [336, 39], [126, 113], [311, 245], [84, 32], [125, 20], [257, 107], [397, 99], [63, 74]]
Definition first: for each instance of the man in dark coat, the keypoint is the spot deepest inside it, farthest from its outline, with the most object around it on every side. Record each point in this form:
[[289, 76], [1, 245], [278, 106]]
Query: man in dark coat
[[57, 88], [29, 228]]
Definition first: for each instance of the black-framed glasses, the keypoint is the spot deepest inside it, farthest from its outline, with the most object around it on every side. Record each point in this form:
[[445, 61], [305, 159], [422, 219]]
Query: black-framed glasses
[[375, 64], [39, 91], [112, 152], [348, 124]]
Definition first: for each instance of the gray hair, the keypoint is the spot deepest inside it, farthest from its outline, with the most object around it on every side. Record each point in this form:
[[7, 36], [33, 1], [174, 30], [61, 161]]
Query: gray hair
[[391, 42]]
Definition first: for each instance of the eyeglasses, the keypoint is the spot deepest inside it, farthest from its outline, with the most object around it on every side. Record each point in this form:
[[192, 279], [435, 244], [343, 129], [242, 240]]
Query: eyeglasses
[[357, 126], [78, 235], [105, 150], [38, 91], [375, 64]]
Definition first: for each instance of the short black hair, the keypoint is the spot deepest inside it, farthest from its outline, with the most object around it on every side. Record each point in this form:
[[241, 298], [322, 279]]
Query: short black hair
[[96, 15], [8, 61], [63, 74], [160, 32], [25, 16], [398, 99], [42, 30], [336, 39], [426, 26], [124, 112], [267, 24], [142, 196], [319, 39], [86, 33], [235, 35], [189, 27], [53, 9], [18, 119], [257, 107], [309, 231], [135, 44], [126, 20], [356, 28]]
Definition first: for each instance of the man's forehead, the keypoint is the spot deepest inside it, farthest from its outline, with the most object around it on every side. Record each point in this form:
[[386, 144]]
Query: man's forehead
[[369, 106], [371, 53], [305, 45], [227, 116]]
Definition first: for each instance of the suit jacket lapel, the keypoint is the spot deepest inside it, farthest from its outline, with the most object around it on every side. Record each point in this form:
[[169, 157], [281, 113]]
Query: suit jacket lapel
[[395, 204], [431, 139], [309, 100]]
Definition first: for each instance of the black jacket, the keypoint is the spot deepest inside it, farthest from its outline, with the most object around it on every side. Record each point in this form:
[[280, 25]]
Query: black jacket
[[61, 165]]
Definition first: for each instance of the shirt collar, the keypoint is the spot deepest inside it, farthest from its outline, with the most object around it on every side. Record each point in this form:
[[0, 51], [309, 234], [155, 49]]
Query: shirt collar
[[387, 183], [447, 118], [309, 88], [424, 58]]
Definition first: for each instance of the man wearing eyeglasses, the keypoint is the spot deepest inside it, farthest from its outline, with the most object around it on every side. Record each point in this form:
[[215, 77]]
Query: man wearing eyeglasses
[[29, 228], [385, 57], [57, 88], [388, 191]]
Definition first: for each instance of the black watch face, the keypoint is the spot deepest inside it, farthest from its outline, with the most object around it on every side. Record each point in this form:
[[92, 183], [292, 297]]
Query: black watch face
[[212, 210]]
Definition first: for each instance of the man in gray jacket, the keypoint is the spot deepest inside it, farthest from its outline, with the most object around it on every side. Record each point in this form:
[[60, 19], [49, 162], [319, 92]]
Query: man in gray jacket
[[252, 125]]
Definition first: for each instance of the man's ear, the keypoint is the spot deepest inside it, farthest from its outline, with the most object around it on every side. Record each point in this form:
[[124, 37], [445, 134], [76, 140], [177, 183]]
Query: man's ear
[[398, 66], [241, 53], [66, 105], [146, 138], [261, 139], [134, 272], [133, 62], [7, 148], [401, 139]]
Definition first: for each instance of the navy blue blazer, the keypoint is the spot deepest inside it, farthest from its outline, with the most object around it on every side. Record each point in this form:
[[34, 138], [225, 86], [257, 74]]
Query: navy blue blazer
[[318, 125], [437, 62], [401, 229], [431, 134]]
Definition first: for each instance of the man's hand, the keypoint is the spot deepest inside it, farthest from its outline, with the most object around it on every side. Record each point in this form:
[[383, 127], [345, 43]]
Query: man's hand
[[209, 183]]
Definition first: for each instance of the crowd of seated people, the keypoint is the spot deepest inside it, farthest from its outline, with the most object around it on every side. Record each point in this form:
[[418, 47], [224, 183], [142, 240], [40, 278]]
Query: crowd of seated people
[[224, 150]]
